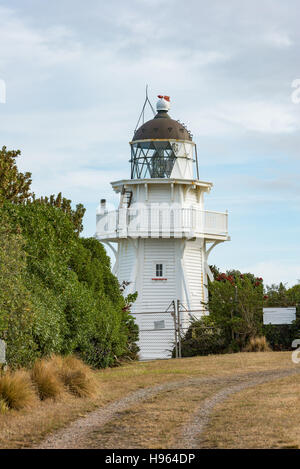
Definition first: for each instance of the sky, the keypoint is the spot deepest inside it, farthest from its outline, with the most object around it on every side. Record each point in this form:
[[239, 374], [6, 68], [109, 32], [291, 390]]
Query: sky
[[75, 75]]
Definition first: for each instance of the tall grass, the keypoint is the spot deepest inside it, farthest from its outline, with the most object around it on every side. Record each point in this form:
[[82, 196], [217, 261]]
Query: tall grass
[[3, 407], [77, 377], [46, 380], [16, 390], [257, 344]]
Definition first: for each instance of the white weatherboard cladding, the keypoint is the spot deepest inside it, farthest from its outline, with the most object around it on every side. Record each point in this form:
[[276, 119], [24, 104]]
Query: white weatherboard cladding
[[191, 198], [126, 261], [193, 266], [157, 294], [156, 344], [159, 193]]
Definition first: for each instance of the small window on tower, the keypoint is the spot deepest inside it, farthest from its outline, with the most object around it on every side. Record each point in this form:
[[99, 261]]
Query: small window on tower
[[159, 270]]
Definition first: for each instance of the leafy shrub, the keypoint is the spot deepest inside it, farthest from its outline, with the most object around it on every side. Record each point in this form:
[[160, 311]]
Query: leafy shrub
[[281, 336], [57, 292], [16, 312], [202, 338], [257, 344], [236, 306], [16, 389], [59, 295]]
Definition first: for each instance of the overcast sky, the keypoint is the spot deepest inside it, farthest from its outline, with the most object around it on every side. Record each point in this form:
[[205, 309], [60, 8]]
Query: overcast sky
[[75, 75]]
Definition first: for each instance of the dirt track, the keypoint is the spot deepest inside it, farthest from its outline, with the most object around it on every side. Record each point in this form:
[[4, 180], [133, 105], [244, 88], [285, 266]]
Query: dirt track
[[77, 434]]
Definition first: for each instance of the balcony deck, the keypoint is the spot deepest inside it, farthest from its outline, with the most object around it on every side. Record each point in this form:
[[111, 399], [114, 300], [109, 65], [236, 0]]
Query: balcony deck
[[161, 222]]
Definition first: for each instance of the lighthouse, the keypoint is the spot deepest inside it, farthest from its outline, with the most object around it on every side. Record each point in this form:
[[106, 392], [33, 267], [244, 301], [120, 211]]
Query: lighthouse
[[161, 234]]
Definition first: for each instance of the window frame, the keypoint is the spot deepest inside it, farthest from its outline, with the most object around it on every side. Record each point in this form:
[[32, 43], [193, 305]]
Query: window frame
[[159, 270]]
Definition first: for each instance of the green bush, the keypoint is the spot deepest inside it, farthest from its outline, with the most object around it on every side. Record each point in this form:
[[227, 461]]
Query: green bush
[[281, 336], [58, 294], [202, 338]]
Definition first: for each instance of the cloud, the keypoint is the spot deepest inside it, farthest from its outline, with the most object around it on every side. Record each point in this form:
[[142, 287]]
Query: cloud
[[49, 47], [278, 39], [275, 271], [76, 77], [262, 117]]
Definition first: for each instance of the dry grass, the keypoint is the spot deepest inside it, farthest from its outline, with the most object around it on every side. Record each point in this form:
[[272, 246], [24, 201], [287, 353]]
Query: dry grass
[[46, 380], [3, 407], [26, 427], [16, 390], [155, 423], [77, 377], [266, 416], [258, 344]]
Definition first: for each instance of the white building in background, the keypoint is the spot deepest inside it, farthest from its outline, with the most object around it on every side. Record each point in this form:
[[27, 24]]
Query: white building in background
[[161, 234], [279, 316]]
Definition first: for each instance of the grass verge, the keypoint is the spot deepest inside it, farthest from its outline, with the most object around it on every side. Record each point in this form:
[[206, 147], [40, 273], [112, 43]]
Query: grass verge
[[266, 416]]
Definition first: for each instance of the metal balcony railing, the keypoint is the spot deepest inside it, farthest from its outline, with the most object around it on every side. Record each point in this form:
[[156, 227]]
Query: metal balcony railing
[[162, 222]]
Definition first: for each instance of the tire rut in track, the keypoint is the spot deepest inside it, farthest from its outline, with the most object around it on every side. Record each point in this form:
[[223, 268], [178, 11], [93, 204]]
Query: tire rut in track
[[192, 432], [76, 434]]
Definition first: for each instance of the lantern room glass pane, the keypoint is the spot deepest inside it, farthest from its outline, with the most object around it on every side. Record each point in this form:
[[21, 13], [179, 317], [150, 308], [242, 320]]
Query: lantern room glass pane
[[152, 160]]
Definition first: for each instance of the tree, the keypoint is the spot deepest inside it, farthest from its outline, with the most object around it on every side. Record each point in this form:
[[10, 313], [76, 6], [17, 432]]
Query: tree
[[293, 295], [57, 292], [16, 311], [277, 295], [236, 306], [76, 216], [14, 185]]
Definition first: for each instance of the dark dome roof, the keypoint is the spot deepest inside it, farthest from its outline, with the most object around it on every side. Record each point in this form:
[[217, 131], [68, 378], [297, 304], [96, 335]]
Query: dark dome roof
[[162, 127]]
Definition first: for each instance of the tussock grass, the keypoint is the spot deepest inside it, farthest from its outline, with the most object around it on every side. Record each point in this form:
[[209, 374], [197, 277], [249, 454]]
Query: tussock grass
[[3, 407], [46, 380], [77, 377], [16, 390], [257, 344]]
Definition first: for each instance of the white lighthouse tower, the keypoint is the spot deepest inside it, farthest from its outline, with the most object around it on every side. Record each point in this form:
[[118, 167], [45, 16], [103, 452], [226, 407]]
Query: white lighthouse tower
[[160, 234]]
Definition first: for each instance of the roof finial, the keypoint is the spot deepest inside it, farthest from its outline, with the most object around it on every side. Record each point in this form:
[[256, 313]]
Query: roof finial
[[163, 104]]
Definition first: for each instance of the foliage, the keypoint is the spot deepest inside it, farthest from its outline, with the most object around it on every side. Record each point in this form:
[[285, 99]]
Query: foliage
[[280, 337], [277, 295], [57, 292], [16, 312], [14, 185], [235, 305], [76, 216], [280, 296], [74, 301], [202, 338], [132, 328], [235, 315], [293, 294]]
